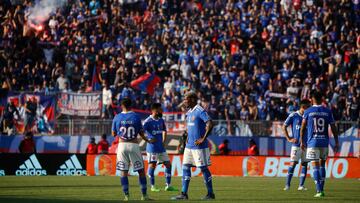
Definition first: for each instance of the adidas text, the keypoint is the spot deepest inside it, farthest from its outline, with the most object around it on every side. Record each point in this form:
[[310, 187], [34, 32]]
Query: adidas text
[[71, 167], [31, 167], [30, 172]]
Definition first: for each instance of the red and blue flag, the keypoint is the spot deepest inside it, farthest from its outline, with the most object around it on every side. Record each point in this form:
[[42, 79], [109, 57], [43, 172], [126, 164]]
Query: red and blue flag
[[146, 83], [96, 86]]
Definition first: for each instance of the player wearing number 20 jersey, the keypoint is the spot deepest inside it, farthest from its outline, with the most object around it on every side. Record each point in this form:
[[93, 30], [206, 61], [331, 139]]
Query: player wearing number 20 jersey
[[127, 126]]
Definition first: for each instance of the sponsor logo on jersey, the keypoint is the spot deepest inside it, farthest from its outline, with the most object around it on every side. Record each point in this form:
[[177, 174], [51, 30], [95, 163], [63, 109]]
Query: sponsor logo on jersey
[[156, 132]]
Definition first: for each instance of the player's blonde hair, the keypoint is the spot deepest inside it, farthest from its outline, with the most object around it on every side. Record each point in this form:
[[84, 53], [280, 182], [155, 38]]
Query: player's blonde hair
[[191, 94]]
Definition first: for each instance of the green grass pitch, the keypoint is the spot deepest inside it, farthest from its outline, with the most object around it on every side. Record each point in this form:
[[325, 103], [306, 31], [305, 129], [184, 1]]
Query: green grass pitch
[[227, 189]]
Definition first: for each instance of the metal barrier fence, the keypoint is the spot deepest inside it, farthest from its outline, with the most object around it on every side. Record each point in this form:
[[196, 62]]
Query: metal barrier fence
[[222, 127]]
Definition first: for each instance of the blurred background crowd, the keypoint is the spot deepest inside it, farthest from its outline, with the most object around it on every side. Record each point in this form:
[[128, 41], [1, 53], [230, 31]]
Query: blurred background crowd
[[246, 59]]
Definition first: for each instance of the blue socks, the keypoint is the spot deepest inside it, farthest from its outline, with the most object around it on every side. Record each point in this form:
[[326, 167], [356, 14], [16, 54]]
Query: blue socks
[[151, 172], [303, 174], [290, 175], [168, 175], [125, 184], [151, 175], [207, 179], [186, 178], [322, 177], [142, 182], [316, 176]]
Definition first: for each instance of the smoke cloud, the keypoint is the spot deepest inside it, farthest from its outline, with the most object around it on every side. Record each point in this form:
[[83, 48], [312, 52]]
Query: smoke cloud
[[42, 9]]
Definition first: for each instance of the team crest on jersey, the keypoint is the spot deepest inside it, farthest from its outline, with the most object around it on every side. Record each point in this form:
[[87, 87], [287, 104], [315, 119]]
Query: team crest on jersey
[[193, 118]]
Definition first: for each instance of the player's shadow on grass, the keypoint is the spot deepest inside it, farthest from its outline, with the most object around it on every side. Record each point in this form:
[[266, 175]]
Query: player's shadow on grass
[[34, 200], [59, 186]]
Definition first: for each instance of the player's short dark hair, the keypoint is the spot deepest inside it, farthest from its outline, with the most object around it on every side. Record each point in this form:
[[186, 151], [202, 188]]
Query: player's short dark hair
[[304, 103], [155, 106], [317, 95], [126, 102]]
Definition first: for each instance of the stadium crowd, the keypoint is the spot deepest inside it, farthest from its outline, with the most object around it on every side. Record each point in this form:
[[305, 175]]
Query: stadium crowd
[[246, 59]]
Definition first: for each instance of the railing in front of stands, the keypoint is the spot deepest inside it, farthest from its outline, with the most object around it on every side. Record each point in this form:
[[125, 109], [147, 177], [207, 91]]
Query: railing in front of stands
[[222, 127]]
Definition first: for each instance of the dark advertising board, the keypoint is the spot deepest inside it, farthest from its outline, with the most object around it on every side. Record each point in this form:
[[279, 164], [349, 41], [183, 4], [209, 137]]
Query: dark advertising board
[[43, 164]]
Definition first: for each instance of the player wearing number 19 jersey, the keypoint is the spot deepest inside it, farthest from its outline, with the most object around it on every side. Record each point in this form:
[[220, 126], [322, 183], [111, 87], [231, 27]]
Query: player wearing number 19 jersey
[[316, 121], [127, 126]]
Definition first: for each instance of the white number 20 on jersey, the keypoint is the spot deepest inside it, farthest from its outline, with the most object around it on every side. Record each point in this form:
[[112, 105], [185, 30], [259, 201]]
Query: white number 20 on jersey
[[128, 132]]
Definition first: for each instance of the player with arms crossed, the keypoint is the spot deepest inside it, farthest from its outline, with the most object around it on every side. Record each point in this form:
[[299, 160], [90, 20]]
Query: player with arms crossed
[[155, 129], [316, 120], [196, 153], [127, 125], [295, 119]]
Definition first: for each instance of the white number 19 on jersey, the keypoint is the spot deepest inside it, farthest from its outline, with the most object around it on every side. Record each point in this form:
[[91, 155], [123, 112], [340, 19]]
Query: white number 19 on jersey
[[319, 125]]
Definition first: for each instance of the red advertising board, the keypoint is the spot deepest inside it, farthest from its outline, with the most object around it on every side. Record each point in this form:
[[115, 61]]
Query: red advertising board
[[235, 166]]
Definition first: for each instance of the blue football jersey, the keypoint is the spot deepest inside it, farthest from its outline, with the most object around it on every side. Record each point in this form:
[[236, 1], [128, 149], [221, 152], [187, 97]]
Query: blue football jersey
[[318, 119], [154, 129], [295, 119], [127, 125], [196, 119]]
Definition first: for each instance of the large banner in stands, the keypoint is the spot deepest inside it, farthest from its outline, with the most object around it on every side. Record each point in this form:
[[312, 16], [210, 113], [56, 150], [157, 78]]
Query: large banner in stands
[[268, 146], [224, 166], [43, 164], [80, 104], [45, 112]]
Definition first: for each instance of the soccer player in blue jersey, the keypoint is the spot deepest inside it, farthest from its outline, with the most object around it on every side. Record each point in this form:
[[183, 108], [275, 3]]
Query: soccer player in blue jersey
[[294, 120], [155, 129], [316, 121], [127, 126], [199, 126]]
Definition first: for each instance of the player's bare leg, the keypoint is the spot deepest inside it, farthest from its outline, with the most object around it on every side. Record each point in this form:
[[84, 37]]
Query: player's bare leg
[[151, 175], [168, 186], [125, 184]]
